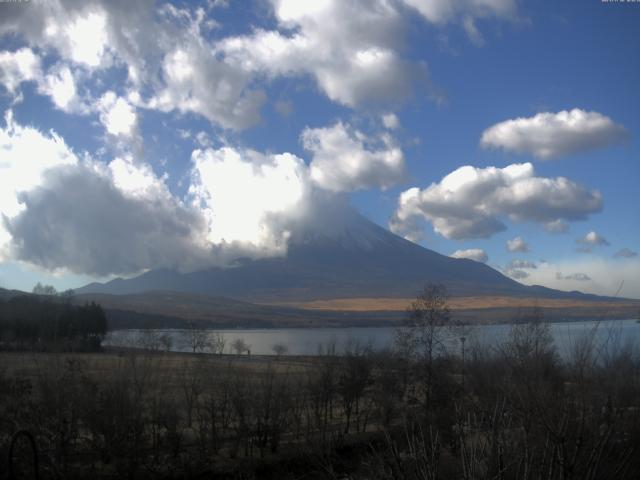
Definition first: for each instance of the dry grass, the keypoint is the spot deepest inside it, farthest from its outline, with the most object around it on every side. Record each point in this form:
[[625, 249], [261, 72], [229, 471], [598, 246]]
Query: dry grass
[[113, 362], [455, 303]]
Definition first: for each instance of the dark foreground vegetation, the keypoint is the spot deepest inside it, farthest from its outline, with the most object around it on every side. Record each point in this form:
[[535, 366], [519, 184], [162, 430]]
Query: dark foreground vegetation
[[518, 411]]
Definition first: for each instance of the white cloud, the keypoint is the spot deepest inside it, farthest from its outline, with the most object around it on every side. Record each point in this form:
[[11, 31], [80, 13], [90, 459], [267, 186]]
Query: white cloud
[[577, 277], [79, 32], [625, 253], [61, 87], [519, 269], [217, 3], [26, 155], [135, 180], [195, 81], [473, 33], [516, 273], [404, 222], [442, 11], [517, 244], [170, 55], [164, 51], [57, 82], [124, 218], [593, 239], [467, 12], [476, 254], [607, 276], [17, 67], [351, 49], [241, 203], [85, 37], [550, 135], [471, 202], [390, 121], [117, 115], [345, 159], [203, 140], [111, 231], [249, 198], [518, 263], [557, 226]]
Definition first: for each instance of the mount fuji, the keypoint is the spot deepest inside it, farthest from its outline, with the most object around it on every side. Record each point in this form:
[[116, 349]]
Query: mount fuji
[[350, 257]]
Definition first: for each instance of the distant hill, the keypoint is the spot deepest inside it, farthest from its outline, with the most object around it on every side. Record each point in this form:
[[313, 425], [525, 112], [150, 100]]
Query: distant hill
[[353, 258], [169, 309], [7, 294], [162, 309], [178, 309], [157, 309]]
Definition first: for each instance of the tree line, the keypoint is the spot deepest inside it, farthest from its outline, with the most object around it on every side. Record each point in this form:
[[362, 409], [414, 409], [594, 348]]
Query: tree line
[[47, 319]]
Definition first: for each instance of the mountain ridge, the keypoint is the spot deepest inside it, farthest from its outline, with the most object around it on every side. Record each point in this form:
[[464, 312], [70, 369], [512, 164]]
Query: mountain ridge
[[355, 258]]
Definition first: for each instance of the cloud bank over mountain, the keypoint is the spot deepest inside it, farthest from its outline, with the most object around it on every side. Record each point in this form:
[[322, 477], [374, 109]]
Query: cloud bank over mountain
[[82, 220], [62, 210]]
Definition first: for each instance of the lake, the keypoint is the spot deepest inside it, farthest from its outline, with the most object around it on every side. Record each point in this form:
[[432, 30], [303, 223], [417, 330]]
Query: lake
[[613, 334]]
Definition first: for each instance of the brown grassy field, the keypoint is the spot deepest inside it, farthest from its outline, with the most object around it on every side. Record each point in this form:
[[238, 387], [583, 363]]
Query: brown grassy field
[[360, 311], [113, 361], [455, 303]]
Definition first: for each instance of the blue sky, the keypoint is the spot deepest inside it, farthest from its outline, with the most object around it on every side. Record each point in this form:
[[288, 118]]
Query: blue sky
[[205, 130]]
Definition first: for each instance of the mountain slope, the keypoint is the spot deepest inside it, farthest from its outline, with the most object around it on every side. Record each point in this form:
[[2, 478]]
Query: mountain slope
[[177, 309], [353, 258], [8, 294], [160, 309]]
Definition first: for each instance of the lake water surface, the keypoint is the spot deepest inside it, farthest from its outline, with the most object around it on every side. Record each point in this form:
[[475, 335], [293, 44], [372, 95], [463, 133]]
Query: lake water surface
[[613, 334]]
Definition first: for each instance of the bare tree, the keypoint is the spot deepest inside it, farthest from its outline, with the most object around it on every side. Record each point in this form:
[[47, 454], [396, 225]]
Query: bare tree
[[271, 408], [215, 412], [40, 289], [166, 341], [322, 385], [422, 336], [217, 343], [353, 378], [67, 295], [149, 340], [279, 349], [531, 338], [191, 380], [239, 346], [196, 339]]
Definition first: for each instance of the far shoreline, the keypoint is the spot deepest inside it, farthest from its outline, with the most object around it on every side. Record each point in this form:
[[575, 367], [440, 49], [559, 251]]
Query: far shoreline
[[206, 325]]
